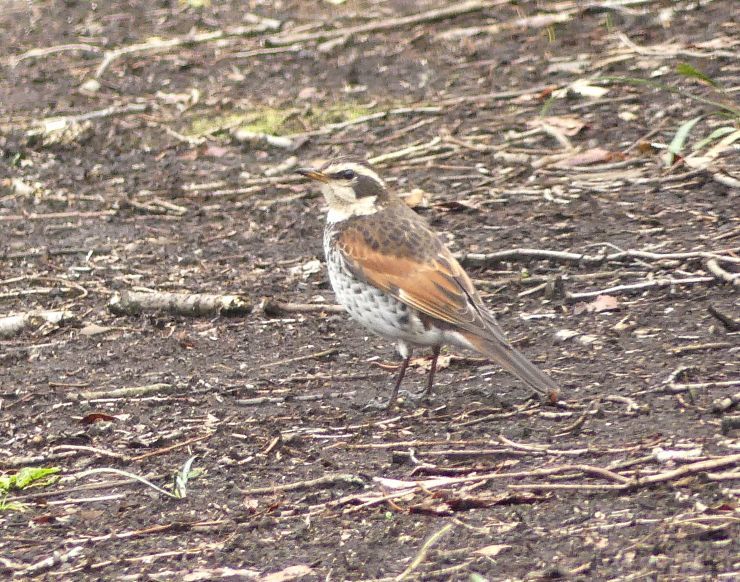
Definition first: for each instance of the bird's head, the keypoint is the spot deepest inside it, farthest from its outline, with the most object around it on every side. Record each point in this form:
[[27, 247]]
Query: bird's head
[[350, 188]]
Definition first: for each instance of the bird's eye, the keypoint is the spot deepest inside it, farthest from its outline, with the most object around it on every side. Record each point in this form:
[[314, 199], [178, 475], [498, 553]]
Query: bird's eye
[[345, 175]]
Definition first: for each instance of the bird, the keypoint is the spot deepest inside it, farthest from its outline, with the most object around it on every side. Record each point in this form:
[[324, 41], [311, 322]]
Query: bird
[[395, 276]]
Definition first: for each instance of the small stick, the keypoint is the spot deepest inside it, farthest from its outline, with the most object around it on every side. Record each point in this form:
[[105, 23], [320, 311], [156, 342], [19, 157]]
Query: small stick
[[50, 562], [421, 556], [384, 25], [678, 388], [325, 481], [159, 45], [691, 348], [714, 268], [94, 450], [56, 215], [259, 400], [667, 282], [322, 354], [274, 307], [129, 475], [51, 50], [172, 447], [730, 324], [592, 408]]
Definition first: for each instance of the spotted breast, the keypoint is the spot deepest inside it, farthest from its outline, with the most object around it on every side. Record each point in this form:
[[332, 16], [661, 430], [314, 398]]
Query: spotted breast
[[378, 311]]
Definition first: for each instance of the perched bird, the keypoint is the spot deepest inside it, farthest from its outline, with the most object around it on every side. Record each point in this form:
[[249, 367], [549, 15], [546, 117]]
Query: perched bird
[[395, 276]]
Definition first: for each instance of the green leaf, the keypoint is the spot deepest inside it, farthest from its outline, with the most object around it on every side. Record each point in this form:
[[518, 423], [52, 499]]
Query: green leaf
[[687, 70], [28, 476], [6, 505], [715, 135]]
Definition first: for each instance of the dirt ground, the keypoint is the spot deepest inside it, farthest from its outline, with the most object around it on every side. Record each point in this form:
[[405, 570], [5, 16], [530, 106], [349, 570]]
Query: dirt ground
[[510, 133]]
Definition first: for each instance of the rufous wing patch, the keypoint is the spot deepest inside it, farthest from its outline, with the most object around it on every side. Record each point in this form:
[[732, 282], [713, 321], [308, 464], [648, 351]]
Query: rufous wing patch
[[435, 285]]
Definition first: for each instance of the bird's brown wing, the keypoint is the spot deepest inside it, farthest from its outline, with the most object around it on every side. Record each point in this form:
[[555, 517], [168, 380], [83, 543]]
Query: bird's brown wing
[[408, 261]]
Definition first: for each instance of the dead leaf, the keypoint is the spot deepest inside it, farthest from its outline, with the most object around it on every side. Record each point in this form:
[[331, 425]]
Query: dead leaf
[[568, 125], [431, 507], [565, 334], [94, 417], [600, 304], [94, 329], [307, 93], [443, 362], [417, 198], [215, 151], [592, 156]]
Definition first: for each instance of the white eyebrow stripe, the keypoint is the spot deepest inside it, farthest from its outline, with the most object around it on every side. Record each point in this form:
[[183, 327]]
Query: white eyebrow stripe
[[357, 168]]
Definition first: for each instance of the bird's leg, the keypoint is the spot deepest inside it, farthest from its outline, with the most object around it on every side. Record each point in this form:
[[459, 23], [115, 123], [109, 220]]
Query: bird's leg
[[401, 374], [432, 371]]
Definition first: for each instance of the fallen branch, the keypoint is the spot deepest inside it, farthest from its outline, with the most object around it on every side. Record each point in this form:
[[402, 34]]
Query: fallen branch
[[190, 304], [524, 254], [385, 25], [15, 324]]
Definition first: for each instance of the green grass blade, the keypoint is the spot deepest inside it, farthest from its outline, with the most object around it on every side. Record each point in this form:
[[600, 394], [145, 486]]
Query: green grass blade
[[679, 139], [715, 135], [687, 70]]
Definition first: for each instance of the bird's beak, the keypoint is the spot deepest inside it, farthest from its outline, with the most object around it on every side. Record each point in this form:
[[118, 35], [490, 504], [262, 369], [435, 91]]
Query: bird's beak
[[313, 174]]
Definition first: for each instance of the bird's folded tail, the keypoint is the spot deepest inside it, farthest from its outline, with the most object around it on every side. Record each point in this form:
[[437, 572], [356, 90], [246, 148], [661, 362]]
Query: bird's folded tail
[[513, 361]]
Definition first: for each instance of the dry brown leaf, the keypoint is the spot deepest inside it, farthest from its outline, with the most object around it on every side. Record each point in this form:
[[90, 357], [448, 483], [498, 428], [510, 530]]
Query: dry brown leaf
[[417, 198], [598, 305], [443, 362], [592, 156], [568, 125]]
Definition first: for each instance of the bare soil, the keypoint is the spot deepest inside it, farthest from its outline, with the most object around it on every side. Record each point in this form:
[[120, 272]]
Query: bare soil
[[632, 475]]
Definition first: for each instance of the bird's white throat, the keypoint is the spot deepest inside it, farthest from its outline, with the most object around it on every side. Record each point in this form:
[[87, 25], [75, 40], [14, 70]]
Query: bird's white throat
[[343, 204]]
